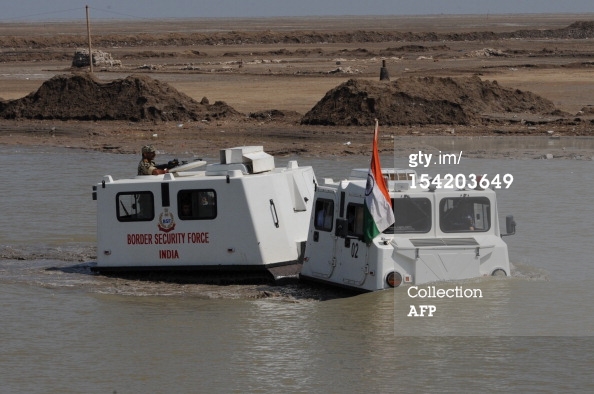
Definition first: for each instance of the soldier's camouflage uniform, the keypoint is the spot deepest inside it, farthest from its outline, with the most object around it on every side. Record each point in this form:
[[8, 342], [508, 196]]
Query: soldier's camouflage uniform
[[146, 167]]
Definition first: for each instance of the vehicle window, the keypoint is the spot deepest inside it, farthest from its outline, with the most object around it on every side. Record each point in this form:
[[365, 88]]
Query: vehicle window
[[324, 211], [354, 216], [412, 215], [462, 214], [197, 204], [135, 206]]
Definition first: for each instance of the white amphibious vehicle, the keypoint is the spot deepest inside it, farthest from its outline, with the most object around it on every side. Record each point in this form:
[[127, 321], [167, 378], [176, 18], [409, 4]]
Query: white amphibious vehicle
[[439, 234], [242, 214]]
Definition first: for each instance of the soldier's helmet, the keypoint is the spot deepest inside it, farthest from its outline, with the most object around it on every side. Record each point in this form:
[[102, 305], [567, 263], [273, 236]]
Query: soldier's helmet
[[148, 149]]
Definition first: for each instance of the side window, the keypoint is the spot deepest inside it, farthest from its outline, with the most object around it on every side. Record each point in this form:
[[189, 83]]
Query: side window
[[197, 204], [324, 211], [354, 216], [135, 206], [462, 214], [413, 215]]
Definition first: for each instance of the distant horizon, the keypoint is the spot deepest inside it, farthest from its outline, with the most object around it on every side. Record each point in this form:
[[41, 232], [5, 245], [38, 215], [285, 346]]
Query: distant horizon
[[113, 19], [110, 10]]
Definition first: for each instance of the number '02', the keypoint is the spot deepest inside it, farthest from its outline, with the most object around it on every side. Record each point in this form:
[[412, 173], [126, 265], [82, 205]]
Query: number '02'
[[355, 250]]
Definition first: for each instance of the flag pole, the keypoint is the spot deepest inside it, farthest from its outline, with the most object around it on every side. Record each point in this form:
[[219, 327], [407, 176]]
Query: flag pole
[[377, 214]]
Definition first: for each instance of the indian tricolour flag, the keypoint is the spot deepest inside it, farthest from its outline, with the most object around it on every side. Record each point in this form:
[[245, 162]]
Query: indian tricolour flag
[[378, 214]]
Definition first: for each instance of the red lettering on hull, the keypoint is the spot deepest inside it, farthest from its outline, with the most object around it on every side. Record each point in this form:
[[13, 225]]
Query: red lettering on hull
[[198, 238], [168, 254], [140, 239]]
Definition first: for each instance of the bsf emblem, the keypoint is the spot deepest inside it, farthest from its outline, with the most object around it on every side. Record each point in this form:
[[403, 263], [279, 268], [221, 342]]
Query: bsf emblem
[[166, 221]]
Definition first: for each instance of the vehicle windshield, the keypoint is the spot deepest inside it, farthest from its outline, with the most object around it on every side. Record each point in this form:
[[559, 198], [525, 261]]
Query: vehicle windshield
[[412, 215], [462, 214]]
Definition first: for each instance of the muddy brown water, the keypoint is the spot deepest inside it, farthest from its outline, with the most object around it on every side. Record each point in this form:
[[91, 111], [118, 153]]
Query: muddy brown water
[[67, 330]]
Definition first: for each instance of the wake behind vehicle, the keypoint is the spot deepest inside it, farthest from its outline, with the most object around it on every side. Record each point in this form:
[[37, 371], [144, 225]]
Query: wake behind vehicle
[[242, 215]]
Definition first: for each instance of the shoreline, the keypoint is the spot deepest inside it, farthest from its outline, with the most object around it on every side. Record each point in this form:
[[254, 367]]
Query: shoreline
[[321, 141]]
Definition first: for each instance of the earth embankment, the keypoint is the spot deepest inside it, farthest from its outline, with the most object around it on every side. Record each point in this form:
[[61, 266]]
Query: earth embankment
[[135, 98], [406, 101], [422, 101]]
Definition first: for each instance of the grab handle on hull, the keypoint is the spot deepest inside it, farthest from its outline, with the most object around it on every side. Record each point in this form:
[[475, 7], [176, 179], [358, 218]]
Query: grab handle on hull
[[274, 214]]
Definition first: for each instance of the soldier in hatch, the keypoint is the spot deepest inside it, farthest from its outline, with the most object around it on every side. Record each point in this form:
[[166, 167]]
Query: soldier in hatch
[[147, 164]]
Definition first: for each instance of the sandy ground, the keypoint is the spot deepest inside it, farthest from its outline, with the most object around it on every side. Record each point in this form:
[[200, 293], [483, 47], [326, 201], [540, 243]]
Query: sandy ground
[[292, 77]]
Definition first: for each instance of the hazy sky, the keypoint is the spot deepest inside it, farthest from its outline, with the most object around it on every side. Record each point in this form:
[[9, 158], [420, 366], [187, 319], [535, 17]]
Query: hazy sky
[[44, 10]]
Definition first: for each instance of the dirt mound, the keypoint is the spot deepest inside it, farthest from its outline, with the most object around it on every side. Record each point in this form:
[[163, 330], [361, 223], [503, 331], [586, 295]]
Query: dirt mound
[[420, 101], [135, 98], [587, 110], [276, 115]]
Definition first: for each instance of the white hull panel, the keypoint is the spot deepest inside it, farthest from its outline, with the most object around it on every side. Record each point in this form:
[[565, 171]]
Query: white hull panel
[[439, 235], [246, 220]]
